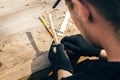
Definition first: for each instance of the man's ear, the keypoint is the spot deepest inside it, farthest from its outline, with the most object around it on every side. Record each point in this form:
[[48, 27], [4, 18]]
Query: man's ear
[[82, 8]]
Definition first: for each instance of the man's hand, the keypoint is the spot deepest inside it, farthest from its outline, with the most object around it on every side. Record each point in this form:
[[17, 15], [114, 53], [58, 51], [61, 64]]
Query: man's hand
[[59, 59], [79, 46]]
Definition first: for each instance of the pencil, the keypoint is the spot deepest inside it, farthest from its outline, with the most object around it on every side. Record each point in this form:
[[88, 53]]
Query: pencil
[[46, 26]]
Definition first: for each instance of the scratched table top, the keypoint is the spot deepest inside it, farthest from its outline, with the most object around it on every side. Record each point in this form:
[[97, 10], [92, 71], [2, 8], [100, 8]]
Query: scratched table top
[[24, 41]]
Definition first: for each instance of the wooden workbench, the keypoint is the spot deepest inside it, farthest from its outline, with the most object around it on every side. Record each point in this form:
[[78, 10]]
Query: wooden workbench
[[24, 41]]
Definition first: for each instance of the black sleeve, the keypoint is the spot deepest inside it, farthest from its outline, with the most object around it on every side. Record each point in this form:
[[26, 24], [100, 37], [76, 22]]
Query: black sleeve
[[102, 72]]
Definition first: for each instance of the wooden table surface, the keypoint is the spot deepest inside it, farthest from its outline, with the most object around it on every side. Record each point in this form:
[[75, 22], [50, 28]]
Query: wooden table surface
[[24, 41]]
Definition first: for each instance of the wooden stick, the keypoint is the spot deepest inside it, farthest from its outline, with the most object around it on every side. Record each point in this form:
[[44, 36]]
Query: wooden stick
[[53, 29]]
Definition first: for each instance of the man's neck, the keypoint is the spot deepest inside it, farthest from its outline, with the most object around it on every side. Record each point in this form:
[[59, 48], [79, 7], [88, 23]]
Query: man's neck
[[114, 55], [113, 50]]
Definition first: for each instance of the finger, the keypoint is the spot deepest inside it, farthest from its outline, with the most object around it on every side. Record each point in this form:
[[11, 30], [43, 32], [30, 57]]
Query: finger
[[51, 54], [73, 57], [75, 39], [71, 47], [53, 44], [69, 53], [60, 52], [60, 49], [68, 39]]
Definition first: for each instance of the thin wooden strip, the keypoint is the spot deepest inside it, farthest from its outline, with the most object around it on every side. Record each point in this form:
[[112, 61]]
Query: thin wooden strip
[[53, 29]]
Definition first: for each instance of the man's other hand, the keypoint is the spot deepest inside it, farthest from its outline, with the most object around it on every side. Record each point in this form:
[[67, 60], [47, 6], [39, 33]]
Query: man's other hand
[[79, 46]]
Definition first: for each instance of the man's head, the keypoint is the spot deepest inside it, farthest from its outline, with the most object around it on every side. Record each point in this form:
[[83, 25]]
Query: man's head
[[96, 18]]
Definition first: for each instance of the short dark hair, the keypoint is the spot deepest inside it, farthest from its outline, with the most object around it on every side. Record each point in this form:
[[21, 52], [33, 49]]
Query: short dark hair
[[110, 10]]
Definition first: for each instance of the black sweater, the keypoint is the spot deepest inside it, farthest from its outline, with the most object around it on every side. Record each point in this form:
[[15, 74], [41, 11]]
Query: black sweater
[[105, 71]]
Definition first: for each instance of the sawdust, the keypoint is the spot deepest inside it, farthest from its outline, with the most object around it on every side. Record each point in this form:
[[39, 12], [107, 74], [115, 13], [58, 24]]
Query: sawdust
[[27, 4], [1, 48], [0, 64], [23, 36]]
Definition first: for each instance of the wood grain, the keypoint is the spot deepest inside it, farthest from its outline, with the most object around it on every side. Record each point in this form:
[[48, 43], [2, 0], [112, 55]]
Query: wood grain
[[24, 42]]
